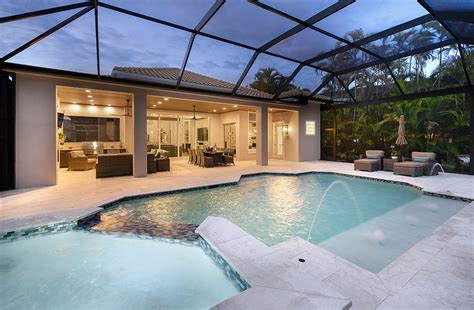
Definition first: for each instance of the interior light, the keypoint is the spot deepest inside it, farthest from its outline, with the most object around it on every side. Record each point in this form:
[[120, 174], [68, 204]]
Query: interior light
[[271, 109], [89, 96], [166, 99], [224, 108], [91, 100], [214, 110], [286, 130], [109, 105], [88, 91], [154, 105], [159, 102], [235, 106], [74, 103]]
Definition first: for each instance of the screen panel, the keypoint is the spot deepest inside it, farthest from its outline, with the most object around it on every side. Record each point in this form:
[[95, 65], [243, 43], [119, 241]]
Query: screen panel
[[363, 17], [218, 60], [9, 7], [370, 83], [302, 9], [15, 34], [268, 74], [345, 60], [334, 90], [464, 31], [157, 47], [305, 45], [182, 12], [435, 69], [71, 48], [246, 23], [308, 79], [416, 37]]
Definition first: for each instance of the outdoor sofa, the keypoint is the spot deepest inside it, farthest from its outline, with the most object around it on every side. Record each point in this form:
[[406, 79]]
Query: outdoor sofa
[[372, 162], [421, 164]]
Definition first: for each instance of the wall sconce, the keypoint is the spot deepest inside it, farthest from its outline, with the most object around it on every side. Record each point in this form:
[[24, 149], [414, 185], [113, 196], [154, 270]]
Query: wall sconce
[[286, 130]]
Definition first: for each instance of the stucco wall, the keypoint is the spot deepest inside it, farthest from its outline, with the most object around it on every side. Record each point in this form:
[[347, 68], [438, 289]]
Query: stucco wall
[[309, 146], [35, 132]]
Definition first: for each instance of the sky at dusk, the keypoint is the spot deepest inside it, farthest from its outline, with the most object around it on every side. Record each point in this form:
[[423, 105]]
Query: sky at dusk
[[129, 41]]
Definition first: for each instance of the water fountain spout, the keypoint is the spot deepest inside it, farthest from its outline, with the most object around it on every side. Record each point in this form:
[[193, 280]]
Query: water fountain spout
[[351, 195], [439, 165]]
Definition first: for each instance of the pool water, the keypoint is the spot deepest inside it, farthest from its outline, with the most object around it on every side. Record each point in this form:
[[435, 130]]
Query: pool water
[[367, 222], [81, 270]]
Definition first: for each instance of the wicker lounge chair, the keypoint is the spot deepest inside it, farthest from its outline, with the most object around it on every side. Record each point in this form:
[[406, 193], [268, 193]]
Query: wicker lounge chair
[[372, 162], [421, 164], [77, 160]]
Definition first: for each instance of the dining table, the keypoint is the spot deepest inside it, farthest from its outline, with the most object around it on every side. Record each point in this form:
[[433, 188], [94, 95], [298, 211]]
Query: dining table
[[217, 156]]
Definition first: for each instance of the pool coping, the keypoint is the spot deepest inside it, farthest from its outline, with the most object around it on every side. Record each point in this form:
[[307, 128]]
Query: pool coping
[[112, 202]]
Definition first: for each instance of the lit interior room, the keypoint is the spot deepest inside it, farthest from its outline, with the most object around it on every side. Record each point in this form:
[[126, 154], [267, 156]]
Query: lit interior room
[[176, 126], [92, 124]]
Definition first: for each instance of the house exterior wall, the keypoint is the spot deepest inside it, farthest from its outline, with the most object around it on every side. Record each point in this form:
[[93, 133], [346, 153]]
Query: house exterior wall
[[35, 132], [36, 119]]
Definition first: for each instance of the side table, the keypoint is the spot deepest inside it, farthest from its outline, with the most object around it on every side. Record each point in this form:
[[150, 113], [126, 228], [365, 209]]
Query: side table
[[388, 163]]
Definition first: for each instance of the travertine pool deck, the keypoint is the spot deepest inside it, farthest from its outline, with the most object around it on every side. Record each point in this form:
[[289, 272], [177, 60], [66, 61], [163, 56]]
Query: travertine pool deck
[[79, 192], [438, 272]]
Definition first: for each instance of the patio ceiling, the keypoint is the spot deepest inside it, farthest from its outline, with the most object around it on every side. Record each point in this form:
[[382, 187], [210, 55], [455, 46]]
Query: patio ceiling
[[321, 49]]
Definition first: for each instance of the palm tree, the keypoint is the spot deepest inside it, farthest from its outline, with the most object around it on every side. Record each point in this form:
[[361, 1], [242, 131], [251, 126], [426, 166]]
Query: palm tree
[[268, 80]]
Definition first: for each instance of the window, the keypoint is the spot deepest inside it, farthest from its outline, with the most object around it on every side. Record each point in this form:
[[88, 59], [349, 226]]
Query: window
[[310, 128], [252, 132], [87, 129]]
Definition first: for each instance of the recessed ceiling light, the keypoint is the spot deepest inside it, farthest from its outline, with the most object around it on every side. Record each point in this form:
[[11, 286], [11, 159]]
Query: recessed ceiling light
[[166, 99], [154, 105], [91, 100], [235, 106], [214, 110], [159, 102], [271, 109], [224, 108], [89, 96], [88, 91]]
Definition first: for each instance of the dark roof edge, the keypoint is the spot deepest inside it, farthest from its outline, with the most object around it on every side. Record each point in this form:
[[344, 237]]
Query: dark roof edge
[[94, 78]]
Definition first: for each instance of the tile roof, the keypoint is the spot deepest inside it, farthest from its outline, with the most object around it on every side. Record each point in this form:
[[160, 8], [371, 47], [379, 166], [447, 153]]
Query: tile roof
[[171, 75]]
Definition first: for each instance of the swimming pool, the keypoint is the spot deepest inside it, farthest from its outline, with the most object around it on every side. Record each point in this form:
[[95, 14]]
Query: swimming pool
[[367, 222], [81, 270]]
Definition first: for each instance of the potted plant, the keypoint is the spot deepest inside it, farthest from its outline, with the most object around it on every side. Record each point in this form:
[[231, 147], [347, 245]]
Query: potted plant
[[61, 137]]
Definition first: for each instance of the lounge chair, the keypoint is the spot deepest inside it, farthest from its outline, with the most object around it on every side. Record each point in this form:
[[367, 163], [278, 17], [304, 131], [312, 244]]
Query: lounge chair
[[421, 164], [372, 162], [77, 160]]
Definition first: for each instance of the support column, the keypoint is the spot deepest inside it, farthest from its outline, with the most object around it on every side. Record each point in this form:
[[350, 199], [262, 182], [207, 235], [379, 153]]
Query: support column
[[262, 136], [139, 136], [470, 100]]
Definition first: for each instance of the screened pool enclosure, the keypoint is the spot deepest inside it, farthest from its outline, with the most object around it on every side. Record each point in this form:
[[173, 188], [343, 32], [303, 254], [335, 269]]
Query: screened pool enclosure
[[344, 53]]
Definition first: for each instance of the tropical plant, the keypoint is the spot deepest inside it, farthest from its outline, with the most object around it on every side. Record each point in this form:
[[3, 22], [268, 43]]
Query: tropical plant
[[269, 80]]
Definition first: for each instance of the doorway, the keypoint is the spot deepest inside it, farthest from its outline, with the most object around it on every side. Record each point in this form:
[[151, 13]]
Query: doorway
[[229, 136], [278, 140]]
